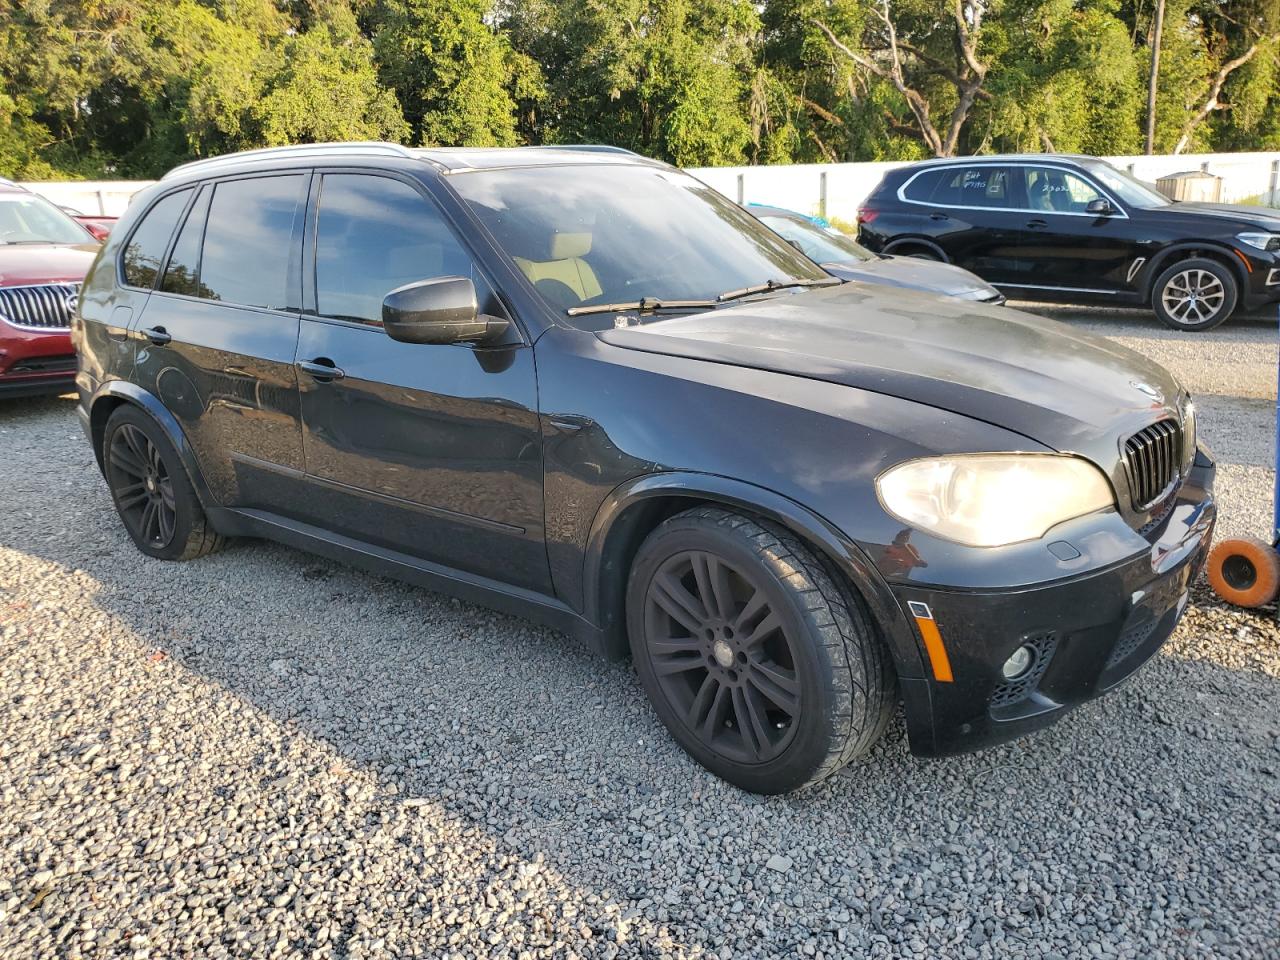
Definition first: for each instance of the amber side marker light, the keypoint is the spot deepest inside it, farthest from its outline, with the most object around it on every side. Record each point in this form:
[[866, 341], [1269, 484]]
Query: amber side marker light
[[1245, 260], [928, 627]]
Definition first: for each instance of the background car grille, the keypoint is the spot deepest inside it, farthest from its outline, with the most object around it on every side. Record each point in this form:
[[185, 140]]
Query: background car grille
[[44, 307], [1152, 458]]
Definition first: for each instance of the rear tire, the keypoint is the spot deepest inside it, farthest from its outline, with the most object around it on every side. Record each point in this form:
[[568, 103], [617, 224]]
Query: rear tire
[[1194, 295], [763, 667], [918, 253], [1244, 571], [151, 490]]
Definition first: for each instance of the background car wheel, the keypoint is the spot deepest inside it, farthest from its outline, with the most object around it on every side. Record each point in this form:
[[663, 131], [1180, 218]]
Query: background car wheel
[[763, 667], [918, 253], [151, 490], [1244, 571], [1196, 294]]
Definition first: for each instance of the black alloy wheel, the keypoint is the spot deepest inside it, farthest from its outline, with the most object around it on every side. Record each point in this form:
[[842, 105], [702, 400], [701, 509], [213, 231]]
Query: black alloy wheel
[[759, 659], [142, 487], [151, 489], [722, 656]]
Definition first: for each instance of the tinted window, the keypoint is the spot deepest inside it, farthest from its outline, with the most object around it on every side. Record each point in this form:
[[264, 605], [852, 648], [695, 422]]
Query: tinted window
[[921, 188], [248, 242], [973, 187], [180, 275], [1058, 191], [374, 234], [145, 250]]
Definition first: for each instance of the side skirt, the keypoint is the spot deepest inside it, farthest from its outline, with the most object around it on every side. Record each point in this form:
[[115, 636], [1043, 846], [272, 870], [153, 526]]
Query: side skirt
[[401, 566]]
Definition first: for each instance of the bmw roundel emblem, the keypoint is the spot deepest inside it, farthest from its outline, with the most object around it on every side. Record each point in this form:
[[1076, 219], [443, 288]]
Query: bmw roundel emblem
[[1147, 390], [71, 301]]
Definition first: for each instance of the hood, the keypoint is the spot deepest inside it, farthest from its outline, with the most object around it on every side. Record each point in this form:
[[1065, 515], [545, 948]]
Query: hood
[[915, 274], [28, 263], [1055, 385], [1261, 218]]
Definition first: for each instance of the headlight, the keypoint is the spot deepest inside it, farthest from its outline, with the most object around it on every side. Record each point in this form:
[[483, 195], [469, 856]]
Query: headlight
[[991, 499], [1188, 434], [1263, 241]]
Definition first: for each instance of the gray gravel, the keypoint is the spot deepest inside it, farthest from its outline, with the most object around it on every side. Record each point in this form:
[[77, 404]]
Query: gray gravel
[[266, 755]]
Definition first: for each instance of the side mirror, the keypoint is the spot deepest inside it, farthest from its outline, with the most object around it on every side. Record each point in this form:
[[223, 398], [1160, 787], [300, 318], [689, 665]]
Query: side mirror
[[442, 310], [1100, 207]]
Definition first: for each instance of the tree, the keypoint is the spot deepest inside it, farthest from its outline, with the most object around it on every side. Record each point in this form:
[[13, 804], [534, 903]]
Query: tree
[[454, 75], [917, 48]]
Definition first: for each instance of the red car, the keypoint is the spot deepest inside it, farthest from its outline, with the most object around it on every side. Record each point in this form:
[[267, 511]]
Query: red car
[[44, 255]]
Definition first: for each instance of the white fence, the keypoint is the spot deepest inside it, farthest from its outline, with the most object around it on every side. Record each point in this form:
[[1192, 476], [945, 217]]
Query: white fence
[[830, 189]]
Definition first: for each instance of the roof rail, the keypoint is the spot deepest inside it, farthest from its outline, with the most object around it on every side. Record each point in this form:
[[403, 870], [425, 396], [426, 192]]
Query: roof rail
[[590, 147], [300, 150]]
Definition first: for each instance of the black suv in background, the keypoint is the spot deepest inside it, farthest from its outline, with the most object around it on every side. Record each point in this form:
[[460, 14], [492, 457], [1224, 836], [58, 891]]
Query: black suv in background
[[1077, 230], [584, 386]]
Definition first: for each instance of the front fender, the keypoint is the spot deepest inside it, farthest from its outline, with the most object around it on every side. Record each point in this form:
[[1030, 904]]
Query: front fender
[[621, 520]]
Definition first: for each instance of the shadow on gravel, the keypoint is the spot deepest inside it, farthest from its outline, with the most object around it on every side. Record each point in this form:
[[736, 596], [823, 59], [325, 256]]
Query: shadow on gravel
[[537, 744]]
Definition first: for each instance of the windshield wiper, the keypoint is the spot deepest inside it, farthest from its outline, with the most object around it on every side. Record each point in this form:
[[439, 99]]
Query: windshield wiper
[[643, 304], [770, 285]]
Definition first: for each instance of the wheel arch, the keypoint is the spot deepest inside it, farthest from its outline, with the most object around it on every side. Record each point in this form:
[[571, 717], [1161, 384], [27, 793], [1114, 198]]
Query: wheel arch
[[634, 509], [116, 393], [1188, 250], [895, 245]]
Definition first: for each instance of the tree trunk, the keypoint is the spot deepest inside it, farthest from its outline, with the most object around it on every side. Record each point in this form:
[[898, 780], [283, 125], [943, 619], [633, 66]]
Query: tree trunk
[[1156, 31]]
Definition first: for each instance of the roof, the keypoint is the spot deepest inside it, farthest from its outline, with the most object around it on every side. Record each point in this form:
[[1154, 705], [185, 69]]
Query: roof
[[8, 186], [1006, 157], [444, 159]]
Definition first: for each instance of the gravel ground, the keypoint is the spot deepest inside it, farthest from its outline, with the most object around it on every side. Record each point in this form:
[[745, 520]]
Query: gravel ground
[[266, 755]]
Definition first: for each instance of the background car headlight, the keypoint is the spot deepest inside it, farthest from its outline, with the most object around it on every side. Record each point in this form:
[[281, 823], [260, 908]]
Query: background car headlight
[[1263, 241], [991, 499]]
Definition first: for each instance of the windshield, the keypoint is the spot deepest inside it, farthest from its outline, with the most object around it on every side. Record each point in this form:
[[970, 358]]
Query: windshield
[[823, 246], [1131, 191], [615, 234], [25, 218]]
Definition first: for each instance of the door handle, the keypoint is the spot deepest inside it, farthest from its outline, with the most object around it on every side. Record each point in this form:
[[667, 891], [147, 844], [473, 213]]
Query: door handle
[[322, 369], [1037, 224], [938, 216], [157, 335]]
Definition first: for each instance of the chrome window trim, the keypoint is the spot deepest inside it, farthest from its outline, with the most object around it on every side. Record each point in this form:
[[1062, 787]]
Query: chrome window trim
[[1119, 213]]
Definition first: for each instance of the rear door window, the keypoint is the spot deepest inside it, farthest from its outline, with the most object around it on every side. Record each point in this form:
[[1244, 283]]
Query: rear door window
[[978, 186], [144, 253], [249, 241], [181, 274]]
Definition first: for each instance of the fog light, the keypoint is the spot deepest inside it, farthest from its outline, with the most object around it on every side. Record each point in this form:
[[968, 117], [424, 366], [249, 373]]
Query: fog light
[[1019, 662]]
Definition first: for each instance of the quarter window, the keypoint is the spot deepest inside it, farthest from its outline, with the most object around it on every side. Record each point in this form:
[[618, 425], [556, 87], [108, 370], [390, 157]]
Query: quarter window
[[248, 242], [374, 234], [1058, 191], [144, 252], [921, 187]]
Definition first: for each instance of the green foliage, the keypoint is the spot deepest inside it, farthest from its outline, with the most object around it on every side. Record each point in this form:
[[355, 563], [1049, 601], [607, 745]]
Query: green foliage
[[131, 87]]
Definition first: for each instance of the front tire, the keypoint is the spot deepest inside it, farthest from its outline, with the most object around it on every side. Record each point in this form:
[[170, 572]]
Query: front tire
[[151, 490], [1196, 294], [762, 666]]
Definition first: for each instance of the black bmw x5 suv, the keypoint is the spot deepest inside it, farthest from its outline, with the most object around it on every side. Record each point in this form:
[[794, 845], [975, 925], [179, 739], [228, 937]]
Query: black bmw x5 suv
[[583, 386], [1075, 229]]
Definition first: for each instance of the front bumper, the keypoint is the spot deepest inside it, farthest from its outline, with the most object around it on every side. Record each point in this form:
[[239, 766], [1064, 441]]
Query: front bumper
[[1089, 633], [35, 361]]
